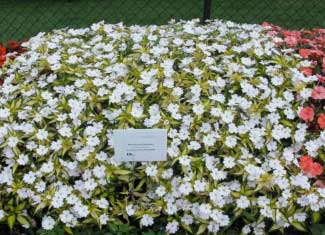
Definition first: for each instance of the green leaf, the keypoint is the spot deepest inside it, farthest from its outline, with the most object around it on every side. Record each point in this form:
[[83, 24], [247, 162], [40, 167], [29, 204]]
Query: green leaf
[[20, 207], [248, 216], [299, 226], [318, 229], [22, 220], [68, 230], [316, 217], [201, 229], [122, 172], [40, 206], [188, 228], [274, 228], [11, 221]]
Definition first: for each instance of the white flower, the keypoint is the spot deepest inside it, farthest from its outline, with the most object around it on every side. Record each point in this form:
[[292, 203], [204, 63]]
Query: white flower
[[146, 220], [277, 81], [300, 180], [185, 160], [22, 159], [198, 109], [93, 141], [48, 223], [137, 110], [229, 162], [29, 178], [209, 140], [130, 210], [65, 131], [2, 214], [42, 134], [172, 227], [230, 141], [56, 145], [13, 141], [187, 219], [160, 191], [280, 132], [47, 167], [103, 219], [42, 150], [151, 170], [242, 202], [4, 113], [200, 186], [102, 203]]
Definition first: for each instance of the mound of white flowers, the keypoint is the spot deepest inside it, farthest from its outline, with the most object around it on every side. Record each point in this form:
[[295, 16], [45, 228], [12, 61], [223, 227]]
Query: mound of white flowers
[[228, 97]]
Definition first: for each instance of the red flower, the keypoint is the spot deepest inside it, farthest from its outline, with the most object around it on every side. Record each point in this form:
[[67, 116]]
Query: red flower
[[318, 93], [2, 60], [12, 45], [307, 114], [321, 121], [312, 169], [2, 50]]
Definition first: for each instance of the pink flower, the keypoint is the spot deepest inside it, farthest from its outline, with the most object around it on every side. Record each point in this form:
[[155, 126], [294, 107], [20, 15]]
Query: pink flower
[[291, 41], [307, 114], [318, 93], [321, 78], [272, 33], [266, 24], [319, 184]]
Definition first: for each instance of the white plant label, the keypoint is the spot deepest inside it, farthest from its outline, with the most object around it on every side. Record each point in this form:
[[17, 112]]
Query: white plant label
[[140, 145]]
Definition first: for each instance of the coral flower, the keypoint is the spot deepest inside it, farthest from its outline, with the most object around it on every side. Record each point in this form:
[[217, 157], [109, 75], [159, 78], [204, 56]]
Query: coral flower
[[307, 114], [321, 121], [305, 53], [306, 71], [312, 169], [318, 93]]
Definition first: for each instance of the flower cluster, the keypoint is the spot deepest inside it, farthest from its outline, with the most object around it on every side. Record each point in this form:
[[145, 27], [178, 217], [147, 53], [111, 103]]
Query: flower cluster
[[228, 96], [10, 51], [310, 44]]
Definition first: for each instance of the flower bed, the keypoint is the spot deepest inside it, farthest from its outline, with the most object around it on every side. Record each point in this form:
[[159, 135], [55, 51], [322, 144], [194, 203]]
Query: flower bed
[[229, 97]]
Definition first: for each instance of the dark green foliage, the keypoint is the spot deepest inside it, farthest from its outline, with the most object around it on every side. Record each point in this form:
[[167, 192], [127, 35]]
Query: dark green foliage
[[20, 19]]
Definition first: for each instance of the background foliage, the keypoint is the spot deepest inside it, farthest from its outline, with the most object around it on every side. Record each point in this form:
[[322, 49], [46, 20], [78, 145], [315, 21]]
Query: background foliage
[[20, 19]]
